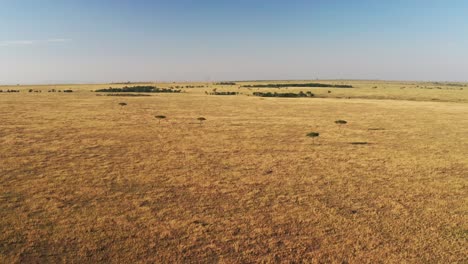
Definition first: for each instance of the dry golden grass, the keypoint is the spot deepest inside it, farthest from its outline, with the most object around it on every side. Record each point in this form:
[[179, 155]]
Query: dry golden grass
[[85, 180]]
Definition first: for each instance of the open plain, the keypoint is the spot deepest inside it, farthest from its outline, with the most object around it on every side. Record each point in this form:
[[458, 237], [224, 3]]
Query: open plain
[[84, 179]]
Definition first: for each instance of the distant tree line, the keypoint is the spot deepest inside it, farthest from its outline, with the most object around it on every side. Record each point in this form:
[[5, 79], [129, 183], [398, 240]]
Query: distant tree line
[[270, 94], [138, 89], [9, 91], [65, 91], [451, 84], [223, 93], [125, 94], [281, 85], [225, 83], [187, 86]]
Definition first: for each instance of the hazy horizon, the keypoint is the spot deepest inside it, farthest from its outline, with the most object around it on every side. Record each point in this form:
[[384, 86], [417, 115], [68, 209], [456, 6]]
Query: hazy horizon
[[117, 41]]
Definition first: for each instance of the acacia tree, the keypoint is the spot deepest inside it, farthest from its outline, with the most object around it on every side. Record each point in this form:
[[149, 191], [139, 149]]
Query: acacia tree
[[313, 135], [160, 117], [340, 123], [201, 119]]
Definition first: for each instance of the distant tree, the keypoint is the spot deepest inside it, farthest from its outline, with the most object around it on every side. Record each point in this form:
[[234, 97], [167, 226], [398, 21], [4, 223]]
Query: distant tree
[[122, 104], [160, 117], [313, 135], [340, 123], [201, 119]]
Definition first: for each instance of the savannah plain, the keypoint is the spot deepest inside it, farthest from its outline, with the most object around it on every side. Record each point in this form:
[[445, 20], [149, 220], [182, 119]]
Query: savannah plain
[[85, 180]]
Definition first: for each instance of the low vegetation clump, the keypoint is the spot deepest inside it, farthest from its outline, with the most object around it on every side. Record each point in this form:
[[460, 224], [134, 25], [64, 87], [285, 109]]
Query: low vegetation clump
[[138, 89], [270, 94], [283, 85]]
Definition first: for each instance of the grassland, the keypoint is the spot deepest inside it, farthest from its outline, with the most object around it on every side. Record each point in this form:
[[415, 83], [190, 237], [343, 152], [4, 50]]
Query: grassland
[[83, 179]]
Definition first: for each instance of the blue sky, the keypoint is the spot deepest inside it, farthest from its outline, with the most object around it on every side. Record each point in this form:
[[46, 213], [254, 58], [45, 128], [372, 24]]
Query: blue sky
[[108, 41]]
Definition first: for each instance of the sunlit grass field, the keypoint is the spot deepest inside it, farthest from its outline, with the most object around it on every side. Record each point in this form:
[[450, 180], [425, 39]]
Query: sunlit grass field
[[85, 180]]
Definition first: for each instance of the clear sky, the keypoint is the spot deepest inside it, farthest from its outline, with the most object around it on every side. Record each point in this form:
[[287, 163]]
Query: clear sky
[[136, 40]]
